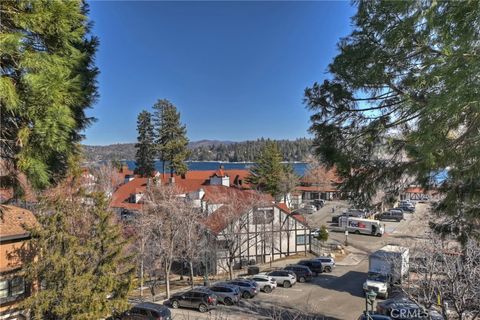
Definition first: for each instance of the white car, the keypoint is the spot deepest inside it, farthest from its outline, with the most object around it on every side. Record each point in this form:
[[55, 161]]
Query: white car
[[284, 277], [265, 283]]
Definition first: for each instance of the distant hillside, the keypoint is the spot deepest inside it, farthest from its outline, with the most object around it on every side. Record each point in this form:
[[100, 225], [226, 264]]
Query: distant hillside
[[209, 150]]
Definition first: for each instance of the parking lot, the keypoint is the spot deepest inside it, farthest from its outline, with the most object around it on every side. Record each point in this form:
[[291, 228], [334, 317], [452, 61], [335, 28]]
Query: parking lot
[[335, 295]]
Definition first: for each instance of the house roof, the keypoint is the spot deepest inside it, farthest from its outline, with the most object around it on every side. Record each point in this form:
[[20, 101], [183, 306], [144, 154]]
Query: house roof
[[15, 221], [122, 194], [415, 190], [192, 181], [300, 218]]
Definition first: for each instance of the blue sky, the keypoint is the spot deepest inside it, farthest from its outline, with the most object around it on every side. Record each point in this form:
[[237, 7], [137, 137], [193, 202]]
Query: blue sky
[[235, 70]]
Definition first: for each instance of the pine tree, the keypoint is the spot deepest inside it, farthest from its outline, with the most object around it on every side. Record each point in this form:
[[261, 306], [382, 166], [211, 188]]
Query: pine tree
[[172, 138], [48, 80], [145, 154], [267, 172], [323, 234], [80, 264], [402, 101]]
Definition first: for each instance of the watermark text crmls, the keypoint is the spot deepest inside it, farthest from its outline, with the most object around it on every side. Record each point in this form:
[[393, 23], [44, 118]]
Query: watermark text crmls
[[408, 314]]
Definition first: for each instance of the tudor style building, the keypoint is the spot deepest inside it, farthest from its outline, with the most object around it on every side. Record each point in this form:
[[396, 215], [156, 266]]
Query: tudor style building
[[261, 230]]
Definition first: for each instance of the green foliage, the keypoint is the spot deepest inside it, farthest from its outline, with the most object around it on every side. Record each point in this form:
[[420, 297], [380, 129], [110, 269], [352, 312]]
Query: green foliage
[[210, 150], [47, 81], [81, 264], [402, 104], [171, 137], [323, 234], [249, 151], [267, 173], [145, 154]]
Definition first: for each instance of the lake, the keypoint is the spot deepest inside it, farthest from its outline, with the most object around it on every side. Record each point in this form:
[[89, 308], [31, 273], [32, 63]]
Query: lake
[[298, 167]]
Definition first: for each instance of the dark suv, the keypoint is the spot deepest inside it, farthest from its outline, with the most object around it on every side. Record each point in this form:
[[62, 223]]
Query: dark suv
[[203, 300], [146, 311], [314, 265], [303, 273]]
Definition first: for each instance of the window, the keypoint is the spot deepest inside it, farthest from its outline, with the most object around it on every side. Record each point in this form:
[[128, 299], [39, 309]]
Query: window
[[262, 216], [17, 286], [3, 288], [12, 288], [301, 239]]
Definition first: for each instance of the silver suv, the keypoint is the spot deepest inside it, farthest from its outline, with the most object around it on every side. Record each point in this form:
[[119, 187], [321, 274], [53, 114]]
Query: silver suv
[[226, 294], [283, 277], [328, 263], [265, 283]]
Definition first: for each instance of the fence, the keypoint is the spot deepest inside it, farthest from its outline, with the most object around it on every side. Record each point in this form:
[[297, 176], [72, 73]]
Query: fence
[[319, 248]]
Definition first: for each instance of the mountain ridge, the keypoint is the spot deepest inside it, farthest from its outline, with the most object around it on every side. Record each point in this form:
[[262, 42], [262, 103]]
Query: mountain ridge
[[207, 150]]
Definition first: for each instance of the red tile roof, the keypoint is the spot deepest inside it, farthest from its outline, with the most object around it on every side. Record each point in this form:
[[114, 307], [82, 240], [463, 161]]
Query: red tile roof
[[15, 221], [415, 190], [192, 181], [121, 196]]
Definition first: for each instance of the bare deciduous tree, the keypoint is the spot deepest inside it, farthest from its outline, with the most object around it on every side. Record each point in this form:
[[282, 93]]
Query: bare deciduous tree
[[193, 237], [163, 203], [446, 273], [107, 178]]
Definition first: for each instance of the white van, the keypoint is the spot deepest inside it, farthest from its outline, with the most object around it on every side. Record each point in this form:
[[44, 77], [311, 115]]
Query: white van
[[361, 226]]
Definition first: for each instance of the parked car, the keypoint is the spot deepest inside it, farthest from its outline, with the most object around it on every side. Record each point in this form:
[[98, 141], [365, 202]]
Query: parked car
[[283, 277], [308, 209], [396, 215], [318, 204], [226, 294], [328, 263], [146, 311], [303, 273], [202, 299], [265, 283], [410, 209], [357, 213], [247, 288], [408, 206], [314, 265]]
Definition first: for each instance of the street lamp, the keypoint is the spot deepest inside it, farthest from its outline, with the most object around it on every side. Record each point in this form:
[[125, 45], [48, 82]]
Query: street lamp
[[369, 300]]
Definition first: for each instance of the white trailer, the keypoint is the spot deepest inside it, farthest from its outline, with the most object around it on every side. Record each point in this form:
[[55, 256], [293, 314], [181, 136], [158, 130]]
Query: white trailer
[[361, 226]]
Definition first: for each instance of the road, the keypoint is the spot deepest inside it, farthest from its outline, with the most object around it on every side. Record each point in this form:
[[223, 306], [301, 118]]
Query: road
[[335, 295]]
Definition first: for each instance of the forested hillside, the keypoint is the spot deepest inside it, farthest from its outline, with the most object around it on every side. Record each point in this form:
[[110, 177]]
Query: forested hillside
[[209, 150]]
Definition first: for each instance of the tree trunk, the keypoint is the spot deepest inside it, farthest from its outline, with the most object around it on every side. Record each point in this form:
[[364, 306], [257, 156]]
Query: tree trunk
[[230, 269], [141, 277], [190, 264], [167, 280]]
